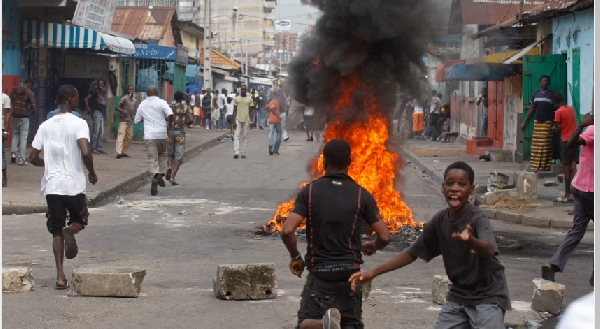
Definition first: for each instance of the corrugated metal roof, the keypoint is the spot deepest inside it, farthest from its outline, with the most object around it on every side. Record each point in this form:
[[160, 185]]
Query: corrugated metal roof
[[490, 12], [552, 8], [220, 60], [142, 22]]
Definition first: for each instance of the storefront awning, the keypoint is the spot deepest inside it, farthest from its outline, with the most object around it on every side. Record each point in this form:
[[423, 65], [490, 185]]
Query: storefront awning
[[478, 72], [54, 35], [499, 58], [439, 71]]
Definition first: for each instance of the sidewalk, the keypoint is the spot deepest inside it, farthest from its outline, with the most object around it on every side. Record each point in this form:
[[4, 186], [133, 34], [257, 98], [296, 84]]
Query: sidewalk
[[432, 158], [22, 195]]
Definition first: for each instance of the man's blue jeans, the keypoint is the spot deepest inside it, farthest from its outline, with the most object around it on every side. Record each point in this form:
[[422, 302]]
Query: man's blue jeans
[[484, 125], [97, 130], [222, 124], [20, 132], [275, 135]]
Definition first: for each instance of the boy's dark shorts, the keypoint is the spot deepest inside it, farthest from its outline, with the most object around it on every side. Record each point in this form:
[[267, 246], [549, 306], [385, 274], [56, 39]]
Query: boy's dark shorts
[[230, 119], [568, 155], [57, 212], [319, 296]]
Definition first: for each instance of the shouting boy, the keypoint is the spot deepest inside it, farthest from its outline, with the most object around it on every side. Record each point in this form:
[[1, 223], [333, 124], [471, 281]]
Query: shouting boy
[[463, 236]]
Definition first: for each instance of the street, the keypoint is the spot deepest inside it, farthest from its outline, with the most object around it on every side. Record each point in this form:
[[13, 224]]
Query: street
[[184, 233]]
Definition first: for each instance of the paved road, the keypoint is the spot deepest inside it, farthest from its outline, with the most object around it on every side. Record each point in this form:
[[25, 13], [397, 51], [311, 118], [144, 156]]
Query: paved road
[[182, 235]]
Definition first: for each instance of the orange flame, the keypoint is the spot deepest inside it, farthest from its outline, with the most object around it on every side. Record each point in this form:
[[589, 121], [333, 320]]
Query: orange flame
[[373, 166]]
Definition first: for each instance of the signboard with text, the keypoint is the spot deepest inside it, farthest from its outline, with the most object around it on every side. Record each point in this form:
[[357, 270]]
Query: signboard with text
[[283, 25], [143, 50], [95, 14], [182, 55]]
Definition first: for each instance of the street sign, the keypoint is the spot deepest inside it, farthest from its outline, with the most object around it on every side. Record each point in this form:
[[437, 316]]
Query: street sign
[[283, 25], [95, 14]]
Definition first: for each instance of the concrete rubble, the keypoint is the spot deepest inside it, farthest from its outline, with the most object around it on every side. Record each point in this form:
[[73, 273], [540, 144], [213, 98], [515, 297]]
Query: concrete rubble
[[245, 281], [439, 289], [107, 282], [17, 279], [547, 296]]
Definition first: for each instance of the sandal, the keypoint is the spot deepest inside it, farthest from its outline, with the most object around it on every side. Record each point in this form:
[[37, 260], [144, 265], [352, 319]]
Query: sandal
[[563, 200], [173, 182], [547, 274]]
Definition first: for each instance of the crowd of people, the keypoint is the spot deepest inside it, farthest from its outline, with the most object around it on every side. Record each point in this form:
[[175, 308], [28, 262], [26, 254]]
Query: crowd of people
[[425, 118]]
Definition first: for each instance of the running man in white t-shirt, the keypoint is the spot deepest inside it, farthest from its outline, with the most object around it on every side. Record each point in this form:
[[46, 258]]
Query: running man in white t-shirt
[[65, 140]]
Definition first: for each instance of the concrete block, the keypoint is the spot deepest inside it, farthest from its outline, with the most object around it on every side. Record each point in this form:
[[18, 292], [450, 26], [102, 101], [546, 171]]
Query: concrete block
[[243, 281], [510, 217], [440, 288], [480, 189], [500, 155], [489, 212], [107, 282], [15, 279], [527, 185], [547, 296], [535, 221]]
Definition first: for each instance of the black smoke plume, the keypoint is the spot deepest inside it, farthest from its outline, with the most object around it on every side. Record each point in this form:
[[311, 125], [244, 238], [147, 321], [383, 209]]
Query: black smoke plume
[[383, 41]]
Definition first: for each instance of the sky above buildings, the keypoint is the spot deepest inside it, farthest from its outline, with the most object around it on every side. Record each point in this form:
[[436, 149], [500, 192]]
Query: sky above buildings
[[300, 15]]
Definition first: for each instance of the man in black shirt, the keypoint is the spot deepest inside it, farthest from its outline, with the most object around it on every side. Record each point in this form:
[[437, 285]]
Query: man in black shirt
[[333, 207]]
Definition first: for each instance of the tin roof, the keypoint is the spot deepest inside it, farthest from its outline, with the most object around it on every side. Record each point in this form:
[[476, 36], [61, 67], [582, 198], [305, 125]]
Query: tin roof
[[492, 12], [550, 9], [142, 22], [220, 60]]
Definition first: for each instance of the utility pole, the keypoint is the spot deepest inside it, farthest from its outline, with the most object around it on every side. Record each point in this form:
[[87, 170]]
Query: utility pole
[[521, 9], [247, 71], [207, 47]]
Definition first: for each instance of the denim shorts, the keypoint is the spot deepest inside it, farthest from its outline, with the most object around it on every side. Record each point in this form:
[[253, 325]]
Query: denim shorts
[[176, 145]]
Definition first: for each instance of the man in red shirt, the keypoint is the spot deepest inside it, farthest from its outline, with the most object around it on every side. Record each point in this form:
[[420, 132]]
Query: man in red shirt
[[274, 125], [565, 122], [22, 99]]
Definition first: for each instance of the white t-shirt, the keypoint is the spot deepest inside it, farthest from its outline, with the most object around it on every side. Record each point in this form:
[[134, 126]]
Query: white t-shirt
[[222, 100], [63, 173], [154, 111], [230, 105], [309, 110], [5, 105], [417, 109]]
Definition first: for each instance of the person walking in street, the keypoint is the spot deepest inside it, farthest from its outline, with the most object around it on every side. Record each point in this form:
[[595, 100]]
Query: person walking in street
[[542, 111], [462, 234], [241, 122], [565, 122], [126, 108], [22, 99], [207, 108], [583, 197], [222, 100], [262, 114], [65, 141], [274, 126], [309, 114], [5, 112], [284, 108], [333, 206], [418, 117], [154, 112], [434, 115], [182, 114], [197, 106], [482, 100], [94, 102], [254, 109], [229, 113], [215, 110]]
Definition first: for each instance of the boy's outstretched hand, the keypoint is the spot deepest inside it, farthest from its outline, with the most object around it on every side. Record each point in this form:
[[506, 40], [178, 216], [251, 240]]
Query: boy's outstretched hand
[[361, 277], [465, 236]]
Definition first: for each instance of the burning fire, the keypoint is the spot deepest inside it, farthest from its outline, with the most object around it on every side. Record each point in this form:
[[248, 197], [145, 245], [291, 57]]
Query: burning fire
[[373, 166]]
